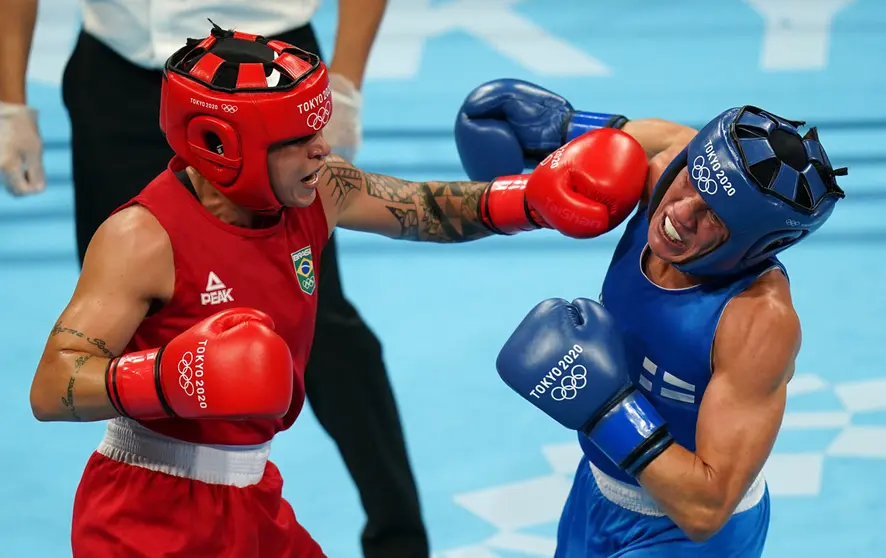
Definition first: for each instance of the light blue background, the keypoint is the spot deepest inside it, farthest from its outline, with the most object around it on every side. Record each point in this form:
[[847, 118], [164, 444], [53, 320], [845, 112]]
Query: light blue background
[[443, 311]]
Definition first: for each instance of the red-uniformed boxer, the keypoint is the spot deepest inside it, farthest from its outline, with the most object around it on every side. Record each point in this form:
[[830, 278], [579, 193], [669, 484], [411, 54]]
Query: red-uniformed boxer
[[205, 284]]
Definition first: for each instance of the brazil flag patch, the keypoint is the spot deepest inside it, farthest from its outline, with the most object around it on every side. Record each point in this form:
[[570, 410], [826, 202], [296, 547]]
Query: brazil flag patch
[[304, 269]]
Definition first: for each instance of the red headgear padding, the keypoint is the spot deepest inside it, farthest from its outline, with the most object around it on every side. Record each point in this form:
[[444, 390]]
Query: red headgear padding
[[228, 98]]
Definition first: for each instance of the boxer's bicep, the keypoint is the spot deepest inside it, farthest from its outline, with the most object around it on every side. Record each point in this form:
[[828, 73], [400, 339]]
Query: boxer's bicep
[[744, 404], [127, 265]]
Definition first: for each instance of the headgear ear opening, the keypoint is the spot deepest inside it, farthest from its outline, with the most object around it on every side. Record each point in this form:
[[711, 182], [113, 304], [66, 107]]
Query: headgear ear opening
[[216, 148], [213, 143]]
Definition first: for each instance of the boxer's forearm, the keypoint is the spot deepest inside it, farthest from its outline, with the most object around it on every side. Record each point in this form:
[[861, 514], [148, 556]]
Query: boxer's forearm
[[16, 33], [436, 211], [358, 23], [657, 135], [70, 386], [688, 490], [431, 211]]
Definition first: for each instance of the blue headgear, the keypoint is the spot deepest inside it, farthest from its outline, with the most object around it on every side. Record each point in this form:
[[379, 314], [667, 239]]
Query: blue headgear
[[768, 185]]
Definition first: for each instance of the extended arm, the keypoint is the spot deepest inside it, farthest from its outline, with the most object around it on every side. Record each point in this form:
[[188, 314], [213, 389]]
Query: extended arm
[[507, 125], [397, 208], [583, 190], [659, 136]]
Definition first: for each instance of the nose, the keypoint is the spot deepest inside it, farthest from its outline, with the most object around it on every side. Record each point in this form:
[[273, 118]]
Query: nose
[[686, 211], [319, 148]]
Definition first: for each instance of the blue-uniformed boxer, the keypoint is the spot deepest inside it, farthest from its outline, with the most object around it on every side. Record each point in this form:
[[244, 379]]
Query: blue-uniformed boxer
[[677, 387]]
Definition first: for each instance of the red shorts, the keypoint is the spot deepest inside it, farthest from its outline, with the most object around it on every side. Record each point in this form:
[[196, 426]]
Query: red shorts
[[128, 510]]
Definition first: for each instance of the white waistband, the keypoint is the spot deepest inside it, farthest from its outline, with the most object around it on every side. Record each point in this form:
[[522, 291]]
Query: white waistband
[[129, 442], [635, 499]]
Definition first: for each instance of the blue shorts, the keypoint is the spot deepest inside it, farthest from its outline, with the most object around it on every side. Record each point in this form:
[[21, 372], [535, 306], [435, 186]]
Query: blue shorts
[[592, 526]]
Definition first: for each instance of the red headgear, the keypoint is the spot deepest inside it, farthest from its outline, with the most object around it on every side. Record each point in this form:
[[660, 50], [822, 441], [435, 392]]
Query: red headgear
[[230, 97]]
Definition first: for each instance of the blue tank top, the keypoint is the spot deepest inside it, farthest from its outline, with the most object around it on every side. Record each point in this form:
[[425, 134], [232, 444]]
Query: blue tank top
[[669, 335]]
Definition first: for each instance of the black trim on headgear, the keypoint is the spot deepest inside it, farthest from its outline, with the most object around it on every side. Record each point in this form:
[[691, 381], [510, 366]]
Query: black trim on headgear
[[186, 57], [789, 149]]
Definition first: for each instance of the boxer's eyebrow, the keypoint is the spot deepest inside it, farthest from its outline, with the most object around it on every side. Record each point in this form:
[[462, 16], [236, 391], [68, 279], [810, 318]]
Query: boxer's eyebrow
[[301, 140]]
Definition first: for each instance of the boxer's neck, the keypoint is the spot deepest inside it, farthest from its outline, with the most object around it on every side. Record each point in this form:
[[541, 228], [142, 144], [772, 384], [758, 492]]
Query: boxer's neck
[[665, 275], [222, 208]]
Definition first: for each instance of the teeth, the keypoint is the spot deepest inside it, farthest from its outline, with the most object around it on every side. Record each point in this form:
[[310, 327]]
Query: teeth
[[671, 231], [312, 178]]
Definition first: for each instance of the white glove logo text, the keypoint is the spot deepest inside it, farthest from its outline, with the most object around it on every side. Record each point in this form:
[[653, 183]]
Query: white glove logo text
[[569, 384], [188, 370]]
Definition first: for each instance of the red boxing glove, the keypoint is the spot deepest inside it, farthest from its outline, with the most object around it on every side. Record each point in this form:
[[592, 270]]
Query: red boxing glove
[[231, 365], [503, 207], [584, 189], [591, 184]]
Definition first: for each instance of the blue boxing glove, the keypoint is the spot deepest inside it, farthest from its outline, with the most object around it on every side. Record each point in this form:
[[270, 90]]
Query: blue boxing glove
[[507, 125], [568, 360]]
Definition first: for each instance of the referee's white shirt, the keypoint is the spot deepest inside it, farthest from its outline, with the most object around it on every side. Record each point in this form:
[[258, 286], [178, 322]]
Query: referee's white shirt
[[147, 32]]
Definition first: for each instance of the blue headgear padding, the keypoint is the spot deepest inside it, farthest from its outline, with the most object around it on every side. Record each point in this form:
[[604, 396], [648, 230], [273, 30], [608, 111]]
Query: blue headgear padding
[[767, 184]]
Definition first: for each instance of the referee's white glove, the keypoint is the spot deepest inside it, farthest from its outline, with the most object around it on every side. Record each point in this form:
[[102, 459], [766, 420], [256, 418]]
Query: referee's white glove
[[21, 150], [344, 131]]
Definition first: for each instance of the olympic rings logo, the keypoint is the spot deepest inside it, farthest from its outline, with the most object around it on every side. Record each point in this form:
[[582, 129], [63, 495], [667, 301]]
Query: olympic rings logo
[[702, 175], [569, 385], [186, 373], [792, 223], [230, 109], [317, 119]]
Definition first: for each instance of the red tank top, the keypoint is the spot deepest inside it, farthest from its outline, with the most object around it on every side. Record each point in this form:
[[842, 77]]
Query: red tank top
[[220, 266]]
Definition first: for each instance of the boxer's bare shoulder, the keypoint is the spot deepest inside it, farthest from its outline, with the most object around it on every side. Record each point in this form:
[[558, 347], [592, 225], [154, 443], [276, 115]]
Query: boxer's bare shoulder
[[130, 252], [761, 323]]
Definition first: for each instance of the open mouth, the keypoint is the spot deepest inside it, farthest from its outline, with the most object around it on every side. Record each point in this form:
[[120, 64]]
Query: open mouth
[[311, 179], [670, 232]]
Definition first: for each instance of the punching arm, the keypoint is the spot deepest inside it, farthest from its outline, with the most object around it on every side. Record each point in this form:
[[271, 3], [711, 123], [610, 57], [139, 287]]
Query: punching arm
[[583, 190], [657, 136], [436, 211]]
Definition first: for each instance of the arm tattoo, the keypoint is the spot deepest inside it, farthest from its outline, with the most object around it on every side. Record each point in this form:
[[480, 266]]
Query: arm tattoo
[[431, 211], [69, 400], [101, 344], [343, 177], [408, 219]]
